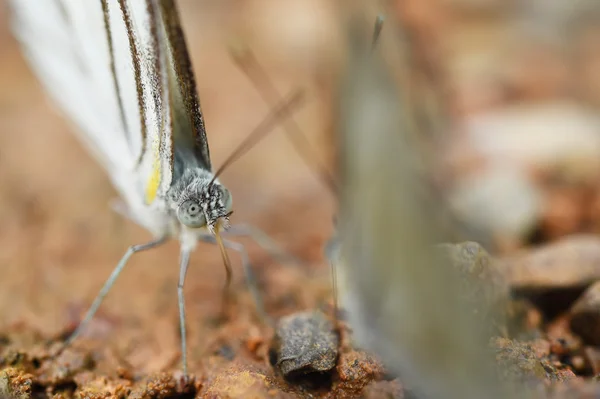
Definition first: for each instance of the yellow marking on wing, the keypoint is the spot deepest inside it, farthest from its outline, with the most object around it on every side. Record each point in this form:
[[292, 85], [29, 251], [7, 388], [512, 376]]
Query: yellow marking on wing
[[155, 175]]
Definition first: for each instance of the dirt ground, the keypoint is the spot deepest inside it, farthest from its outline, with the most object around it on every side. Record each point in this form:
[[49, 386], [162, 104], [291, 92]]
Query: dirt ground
[[59, 240]]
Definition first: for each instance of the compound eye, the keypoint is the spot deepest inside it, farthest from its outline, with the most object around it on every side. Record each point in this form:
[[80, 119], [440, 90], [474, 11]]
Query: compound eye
[[190, 214], [226, 198]]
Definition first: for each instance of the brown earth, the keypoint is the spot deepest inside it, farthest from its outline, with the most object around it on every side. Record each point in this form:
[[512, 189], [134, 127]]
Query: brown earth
[[59, 240]]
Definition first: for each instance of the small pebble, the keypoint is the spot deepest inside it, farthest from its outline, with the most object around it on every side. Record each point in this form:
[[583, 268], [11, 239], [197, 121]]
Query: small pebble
[[305, 343], [585, 320], [571, 262]]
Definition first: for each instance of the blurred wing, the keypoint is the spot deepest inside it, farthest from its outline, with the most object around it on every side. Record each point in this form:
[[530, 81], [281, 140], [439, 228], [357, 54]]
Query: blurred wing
[[403, 303], [121, 72]]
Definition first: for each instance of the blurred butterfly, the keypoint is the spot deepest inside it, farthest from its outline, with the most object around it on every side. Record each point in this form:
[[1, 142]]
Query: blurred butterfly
[[401, 302], [121, 71]]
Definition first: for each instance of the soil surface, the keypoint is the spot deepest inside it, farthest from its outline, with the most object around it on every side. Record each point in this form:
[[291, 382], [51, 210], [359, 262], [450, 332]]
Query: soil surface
[[59, 239]]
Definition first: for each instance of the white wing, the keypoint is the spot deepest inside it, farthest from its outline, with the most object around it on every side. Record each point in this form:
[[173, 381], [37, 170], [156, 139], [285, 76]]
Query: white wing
[[99, 61], [121, 71], [65, 43]]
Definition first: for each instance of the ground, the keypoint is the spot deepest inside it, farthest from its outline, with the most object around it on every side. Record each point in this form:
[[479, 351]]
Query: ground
[[59, 240]]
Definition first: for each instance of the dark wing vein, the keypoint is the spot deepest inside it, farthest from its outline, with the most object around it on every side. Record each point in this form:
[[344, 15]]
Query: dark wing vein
[[186, 81], [113, 70], [136, 59], [162, 91]]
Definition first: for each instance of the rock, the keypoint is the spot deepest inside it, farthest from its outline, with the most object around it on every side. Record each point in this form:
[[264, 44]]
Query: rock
[[563, 342], [585, 315], [565, 211], [569, 263], [305, 343], [544, 136], [519, 364], [483, 283], [592, 356], [471, 259], [356, 370], [498, 201], [15, 383]]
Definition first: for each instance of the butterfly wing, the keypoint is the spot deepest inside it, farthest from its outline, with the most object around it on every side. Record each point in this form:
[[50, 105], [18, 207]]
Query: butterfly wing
[[189, 130], [403, 301], [66, 45], [120, 70]]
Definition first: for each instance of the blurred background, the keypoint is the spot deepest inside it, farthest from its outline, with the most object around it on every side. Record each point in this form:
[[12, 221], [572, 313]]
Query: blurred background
[[520, 80]]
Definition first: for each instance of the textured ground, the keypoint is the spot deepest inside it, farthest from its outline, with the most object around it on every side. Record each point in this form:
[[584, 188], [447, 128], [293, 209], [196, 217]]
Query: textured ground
[[59, 240]]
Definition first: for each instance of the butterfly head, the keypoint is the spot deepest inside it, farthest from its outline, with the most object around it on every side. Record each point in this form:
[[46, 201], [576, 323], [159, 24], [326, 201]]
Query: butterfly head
[[204, 202]]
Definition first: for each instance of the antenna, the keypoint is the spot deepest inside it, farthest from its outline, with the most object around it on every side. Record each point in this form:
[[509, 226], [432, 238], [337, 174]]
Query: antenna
[[377, 30], [247, 62], [284, 108]]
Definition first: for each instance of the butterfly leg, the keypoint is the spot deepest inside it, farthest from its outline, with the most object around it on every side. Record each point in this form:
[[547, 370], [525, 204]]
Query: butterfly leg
[[108, 285], [332, 253], [250, 279], [183, 266], [264, 241], [248, 273]]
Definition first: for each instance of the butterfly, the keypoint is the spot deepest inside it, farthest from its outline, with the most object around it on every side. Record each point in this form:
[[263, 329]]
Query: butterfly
[[403, 301], [120, 70], [397, 299]]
